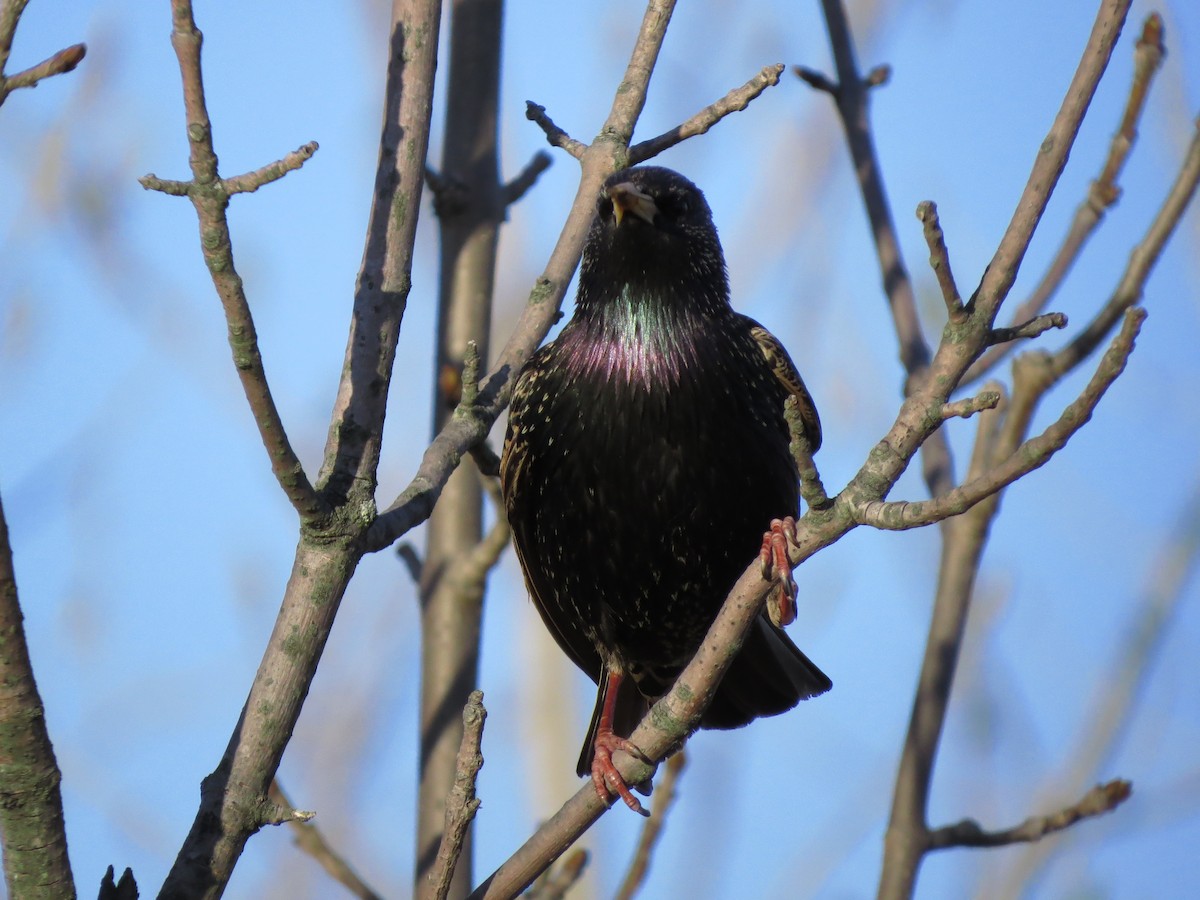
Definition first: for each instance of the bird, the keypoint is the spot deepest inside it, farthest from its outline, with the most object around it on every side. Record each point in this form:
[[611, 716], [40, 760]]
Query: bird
[[646, 460]]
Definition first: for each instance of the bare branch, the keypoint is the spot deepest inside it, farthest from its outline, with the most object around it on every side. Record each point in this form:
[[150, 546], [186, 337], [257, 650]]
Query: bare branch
[[555, 136], [939, 259], [850, 96], [63, 61], [252, 181], [964, 409], [1101, 799], [411, 559], [210, 197], [486, 459], [664, 796], [818, 81], [1051, 159], [462, 803], [32, 832], [1141, 261], [310, 840], [811, 488], [1102, 194], [231, 804], [1036, 326], [1032, 454], [514, 190], [735, 101]]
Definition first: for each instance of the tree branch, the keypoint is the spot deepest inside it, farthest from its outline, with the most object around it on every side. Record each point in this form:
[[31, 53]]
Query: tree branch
[[1051, 159], [1036, 326], [555, 136], [1032, 454], [210, 197], [1101, 799], [32, 832], [735, 101], [233, 801], [850, 95], [1141, 261], [462, 803], [514, 190], [939, 259], [1102, 193], [63, 61]]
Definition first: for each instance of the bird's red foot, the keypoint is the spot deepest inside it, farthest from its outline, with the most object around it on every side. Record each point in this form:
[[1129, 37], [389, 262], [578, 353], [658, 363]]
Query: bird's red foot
[[605, 776], [781, 603]]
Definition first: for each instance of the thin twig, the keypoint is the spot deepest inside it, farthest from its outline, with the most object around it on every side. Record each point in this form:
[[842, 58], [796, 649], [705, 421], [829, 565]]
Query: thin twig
[[735, 101], [1101, 799], [850, 97], [514, 190], [969, 406], [939, 259], [252, 181], [327, 551], [308, 838], [1036, 326], [210, 197], [412, 560], [555, 136], [125, 889], [32, 831], [461, 804], [63, 61], [1032, 454], [811, 488], [1101, 195], [1141, 261], [652, 828], [1051, 159]]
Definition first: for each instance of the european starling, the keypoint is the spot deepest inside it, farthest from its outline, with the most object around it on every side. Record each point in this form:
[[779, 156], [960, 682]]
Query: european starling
[[646, 452]]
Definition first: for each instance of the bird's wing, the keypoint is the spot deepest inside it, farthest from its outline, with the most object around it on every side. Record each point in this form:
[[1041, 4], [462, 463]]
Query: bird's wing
[[785, 370], [518, 491]]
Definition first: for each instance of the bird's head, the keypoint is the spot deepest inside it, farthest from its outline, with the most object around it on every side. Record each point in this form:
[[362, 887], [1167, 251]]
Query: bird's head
[[654, 233]]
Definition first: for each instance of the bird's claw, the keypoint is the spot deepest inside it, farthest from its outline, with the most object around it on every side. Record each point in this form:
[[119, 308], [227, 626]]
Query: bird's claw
[[776, 545], [605, 777]]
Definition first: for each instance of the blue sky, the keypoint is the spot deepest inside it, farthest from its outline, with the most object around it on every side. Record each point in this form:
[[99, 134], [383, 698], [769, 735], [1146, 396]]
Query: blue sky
[[152, 543]]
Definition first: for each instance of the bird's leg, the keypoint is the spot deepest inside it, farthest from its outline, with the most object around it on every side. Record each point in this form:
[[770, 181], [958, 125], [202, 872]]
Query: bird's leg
[[781, 603], [605, 776]]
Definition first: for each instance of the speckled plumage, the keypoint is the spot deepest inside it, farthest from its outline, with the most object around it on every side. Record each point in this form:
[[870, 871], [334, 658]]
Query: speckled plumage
[[646, 454]]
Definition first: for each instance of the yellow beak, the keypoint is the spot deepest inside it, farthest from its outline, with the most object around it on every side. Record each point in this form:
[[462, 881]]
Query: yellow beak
[[627, 199]]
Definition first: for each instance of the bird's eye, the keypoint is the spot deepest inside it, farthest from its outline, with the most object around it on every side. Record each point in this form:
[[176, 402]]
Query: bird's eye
[[673, 207]]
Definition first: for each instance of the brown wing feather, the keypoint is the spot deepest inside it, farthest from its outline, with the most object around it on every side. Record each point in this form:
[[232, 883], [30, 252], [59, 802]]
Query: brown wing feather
[[785, 370]]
